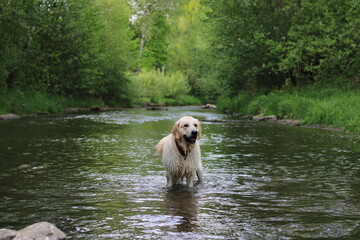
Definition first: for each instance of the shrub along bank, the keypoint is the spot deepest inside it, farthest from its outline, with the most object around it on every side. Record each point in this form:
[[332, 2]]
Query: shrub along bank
[[312, 105]]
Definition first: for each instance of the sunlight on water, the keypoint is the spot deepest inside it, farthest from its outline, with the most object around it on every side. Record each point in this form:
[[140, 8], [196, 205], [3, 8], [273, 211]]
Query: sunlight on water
[[97, 176]]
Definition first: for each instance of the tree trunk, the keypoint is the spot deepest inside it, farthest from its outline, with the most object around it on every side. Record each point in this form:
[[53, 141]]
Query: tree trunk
[[142, 43]]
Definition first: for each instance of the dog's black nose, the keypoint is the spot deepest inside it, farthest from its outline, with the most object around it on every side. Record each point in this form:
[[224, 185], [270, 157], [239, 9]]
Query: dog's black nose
[[194, 133]]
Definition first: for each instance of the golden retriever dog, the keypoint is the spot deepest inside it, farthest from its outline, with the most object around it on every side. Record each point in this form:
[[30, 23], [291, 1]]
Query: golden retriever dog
[[180, 152]]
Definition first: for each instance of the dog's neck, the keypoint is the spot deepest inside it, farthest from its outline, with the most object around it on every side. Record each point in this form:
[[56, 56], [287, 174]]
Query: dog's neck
[[183, 147]]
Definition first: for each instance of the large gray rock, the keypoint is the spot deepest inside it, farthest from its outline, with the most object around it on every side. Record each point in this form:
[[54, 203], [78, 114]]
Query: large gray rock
[[37, 231], [7, 234]]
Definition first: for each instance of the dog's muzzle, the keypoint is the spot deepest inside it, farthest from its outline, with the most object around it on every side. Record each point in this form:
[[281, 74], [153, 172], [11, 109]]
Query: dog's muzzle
[[192, 138]]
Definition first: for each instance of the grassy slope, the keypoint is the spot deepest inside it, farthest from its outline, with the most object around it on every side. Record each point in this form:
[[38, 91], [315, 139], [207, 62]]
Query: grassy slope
[[330, 106]]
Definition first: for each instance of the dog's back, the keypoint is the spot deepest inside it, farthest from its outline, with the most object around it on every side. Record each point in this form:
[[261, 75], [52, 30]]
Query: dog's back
[[160, 145]]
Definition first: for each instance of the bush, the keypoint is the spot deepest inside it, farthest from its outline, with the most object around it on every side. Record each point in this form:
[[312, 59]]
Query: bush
[[208, 87], [156, 87], [156, 84]]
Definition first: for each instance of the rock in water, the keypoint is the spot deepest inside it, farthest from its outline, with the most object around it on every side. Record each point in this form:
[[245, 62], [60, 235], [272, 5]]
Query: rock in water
[[258, 118], [211, 106], [37, 231], [9, 116]]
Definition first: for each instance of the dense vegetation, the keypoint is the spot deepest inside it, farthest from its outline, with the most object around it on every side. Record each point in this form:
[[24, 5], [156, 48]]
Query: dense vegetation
[[267, 44], [245, 54], [65, 48]]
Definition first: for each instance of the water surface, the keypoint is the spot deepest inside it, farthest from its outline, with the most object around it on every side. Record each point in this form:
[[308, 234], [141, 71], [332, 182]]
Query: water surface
[[97, 176]]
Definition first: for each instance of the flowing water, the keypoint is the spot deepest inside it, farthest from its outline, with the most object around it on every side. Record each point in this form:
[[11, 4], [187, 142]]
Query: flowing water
[[97, 176]]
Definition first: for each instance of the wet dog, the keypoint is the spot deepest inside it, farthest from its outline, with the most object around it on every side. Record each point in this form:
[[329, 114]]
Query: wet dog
[[180, 152]]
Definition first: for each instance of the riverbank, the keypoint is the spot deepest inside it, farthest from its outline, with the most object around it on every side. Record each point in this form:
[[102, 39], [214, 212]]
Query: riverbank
[[36, 103], [19, 102], [332, 107]]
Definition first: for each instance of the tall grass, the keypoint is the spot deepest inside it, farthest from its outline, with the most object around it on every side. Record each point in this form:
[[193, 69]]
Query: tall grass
[[238, 104], [329, 106], [27, 102]]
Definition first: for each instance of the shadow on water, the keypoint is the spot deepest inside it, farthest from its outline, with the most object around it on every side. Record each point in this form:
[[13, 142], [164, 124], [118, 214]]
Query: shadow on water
[[97, 176]]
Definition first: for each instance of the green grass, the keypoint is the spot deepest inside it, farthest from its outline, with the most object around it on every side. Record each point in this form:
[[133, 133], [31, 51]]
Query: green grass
[[330, 106], [33, 102]]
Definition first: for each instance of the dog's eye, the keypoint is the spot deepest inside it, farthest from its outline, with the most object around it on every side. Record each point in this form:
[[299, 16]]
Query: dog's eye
[[186, 125], [195, 125]]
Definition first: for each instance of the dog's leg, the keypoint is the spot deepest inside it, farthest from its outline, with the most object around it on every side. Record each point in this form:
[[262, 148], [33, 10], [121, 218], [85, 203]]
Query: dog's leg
[[169, 180], [199, 173], [190, 180]]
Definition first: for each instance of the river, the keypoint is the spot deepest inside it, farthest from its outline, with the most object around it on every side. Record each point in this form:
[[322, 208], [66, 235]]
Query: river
[[97, 176]]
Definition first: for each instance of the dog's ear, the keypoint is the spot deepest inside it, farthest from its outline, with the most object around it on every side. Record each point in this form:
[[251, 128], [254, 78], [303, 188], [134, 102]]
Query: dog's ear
[[199, 130], [176, 130]]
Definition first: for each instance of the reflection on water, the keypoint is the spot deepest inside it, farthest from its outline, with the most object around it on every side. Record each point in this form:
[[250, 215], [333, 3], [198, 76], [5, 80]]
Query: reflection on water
[[185, 204], [97, 176]]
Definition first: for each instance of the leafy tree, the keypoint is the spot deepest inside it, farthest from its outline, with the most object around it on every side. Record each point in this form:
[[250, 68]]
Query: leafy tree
[[117, 49], [156, 50], [189, 49], [15, 38], [248, 40], [323, 42], [151, 23], [266, 44]]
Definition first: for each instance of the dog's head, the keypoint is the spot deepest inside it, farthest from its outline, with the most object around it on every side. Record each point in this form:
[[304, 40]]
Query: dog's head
[[187, 128]]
